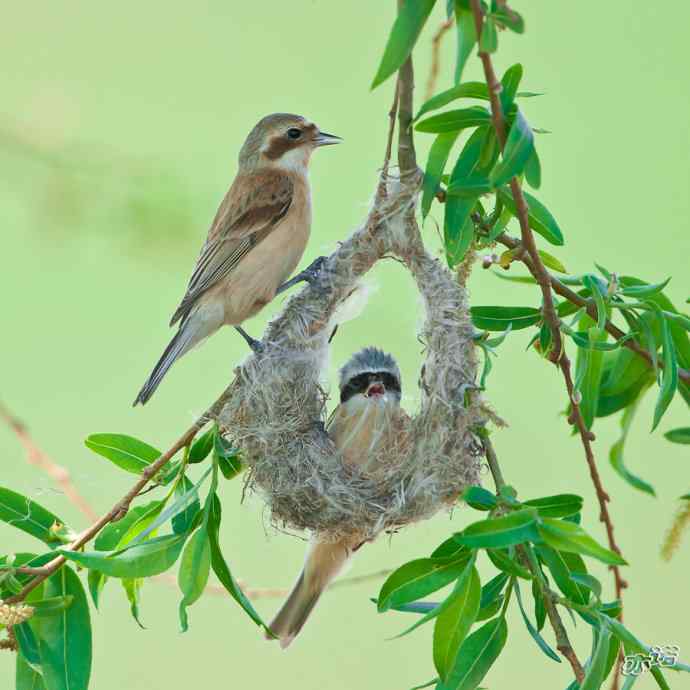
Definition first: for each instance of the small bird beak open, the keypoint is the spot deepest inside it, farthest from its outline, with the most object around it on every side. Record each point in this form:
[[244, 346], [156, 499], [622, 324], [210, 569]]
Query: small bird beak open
[[325, 139], [375, 390]]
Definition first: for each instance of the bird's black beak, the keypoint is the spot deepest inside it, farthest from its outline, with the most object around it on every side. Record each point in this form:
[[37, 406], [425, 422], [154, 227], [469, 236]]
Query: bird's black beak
[[325, 139]]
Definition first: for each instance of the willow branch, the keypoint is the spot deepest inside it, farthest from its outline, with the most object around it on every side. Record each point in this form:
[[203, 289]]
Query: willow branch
[[407, 157], [436, 57], [36, 456]]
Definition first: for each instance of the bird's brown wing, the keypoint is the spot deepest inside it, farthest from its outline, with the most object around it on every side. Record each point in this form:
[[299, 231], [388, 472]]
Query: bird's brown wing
[[252, 208]]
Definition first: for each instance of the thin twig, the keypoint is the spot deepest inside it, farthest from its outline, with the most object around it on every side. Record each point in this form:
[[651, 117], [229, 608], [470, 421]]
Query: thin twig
[[407, 157], [36, 456], [436, 57]]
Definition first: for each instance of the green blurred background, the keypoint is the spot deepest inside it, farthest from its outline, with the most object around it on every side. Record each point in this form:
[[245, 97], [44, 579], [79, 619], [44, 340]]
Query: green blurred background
[[119, 128]]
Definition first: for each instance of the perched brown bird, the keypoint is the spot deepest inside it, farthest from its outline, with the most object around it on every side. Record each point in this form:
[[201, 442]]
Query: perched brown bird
[[365, 420], [256, 240]]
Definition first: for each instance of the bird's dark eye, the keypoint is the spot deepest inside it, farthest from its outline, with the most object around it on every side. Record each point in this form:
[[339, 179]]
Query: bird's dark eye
[[294, 133]]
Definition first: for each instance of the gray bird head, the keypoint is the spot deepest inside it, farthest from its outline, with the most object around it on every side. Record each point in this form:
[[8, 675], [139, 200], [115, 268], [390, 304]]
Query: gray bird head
[[371, 373]]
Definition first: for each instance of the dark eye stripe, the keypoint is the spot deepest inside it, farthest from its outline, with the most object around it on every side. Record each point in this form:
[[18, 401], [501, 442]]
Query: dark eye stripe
[[360, 383]]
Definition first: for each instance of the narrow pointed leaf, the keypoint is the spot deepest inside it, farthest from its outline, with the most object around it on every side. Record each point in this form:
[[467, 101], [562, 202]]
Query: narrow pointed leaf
[[597, 667], [220, 567], [669, 380], [127, 452], [453, 623], [455, 120], [488, 41], [30, 517], [26, 677], [469, 89], [540, 218], [202, 446], [65, 639], [416, 579], [195, 566], [476, 656], [616, 453], [550, 261], [514, 528], [567, 536], [466, 33], [406, 29], [561, 565], [436, 163], [498, 318], [680, 435], [557, 506], [518, 150], [149, 558], [534, 633]]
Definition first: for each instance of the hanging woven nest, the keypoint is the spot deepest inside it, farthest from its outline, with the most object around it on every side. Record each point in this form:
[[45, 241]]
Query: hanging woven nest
[[277, 406]]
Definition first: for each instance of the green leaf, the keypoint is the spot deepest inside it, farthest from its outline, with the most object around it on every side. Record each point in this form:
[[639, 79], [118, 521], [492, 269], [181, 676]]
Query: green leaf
[[539, 607], [26, 677], [514, 528], [508, 564], [518, 149], [195, 567], [435, 165], [470, 89], [220, 567], [455, 120], [510, 82], [182, 521], [30, 517], [595, 673], [533, 170], [479, 498], [587, 580], [28, 643], [679, 435], [509, 18], [450, 548], [616, 453], [498, 318], [52, 605], [228, 458], [476, 656], [534, 633], [65, 639], [458, 229], [560, 505], [561, 565], [128, 453], [149, 558], [589, 372], [550, 261], [669, 380], [491, 591], [430, 609], [567, 536], [404, 34], [455, 621], [132, 588], [471, 187], [466, 38], [592, 283], [202, 446], [488, 41], [644, 290], [418, 578], [540, 219]]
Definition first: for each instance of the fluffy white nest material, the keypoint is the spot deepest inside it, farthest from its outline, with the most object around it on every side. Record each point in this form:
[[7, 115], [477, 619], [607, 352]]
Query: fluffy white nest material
[[276, 409]]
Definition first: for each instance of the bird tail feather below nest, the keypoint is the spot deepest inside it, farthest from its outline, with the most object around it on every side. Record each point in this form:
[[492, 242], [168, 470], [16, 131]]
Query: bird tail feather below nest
[[294, 612]]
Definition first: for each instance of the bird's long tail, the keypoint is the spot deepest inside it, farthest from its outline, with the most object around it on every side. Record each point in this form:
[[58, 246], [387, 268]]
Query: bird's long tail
[[324, 563], [181, 342]]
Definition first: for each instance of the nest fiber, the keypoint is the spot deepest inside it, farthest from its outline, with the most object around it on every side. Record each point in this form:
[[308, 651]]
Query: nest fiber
[[276, 406]]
